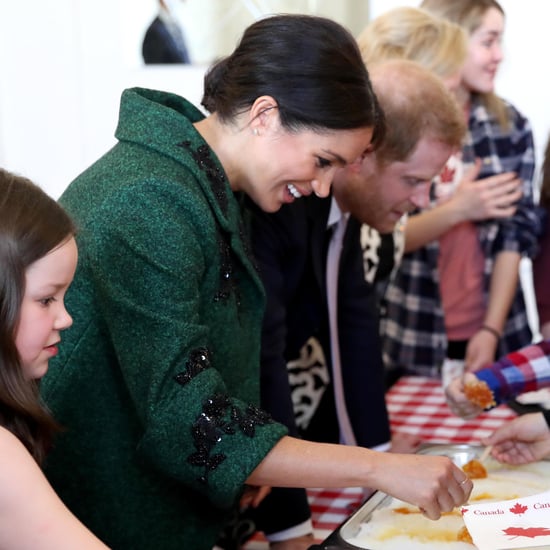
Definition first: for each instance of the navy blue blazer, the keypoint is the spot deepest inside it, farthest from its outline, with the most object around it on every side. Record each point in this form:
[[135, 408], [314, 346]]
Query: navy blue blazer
[[290, 247]]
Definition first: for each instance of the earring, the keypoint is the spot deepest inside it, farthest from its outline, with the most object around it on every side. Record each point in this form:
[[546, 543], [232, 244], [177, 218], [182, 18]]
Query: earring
[[256, 132]]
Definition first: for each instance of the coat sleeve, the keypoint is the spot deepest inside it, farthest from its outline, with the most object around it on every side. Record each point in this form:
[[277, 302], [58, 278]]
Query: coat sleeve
[[153, 304]]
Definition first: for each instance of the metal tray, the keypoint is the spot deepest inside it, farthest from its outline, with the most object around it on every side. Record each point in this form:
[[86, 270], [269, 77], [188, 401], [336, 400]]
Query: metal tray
[[459, 454]]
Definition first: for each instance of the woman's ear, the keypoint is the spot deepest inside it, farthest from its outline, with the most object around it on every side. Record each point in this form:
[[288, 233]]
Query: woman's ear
[[263, 115]]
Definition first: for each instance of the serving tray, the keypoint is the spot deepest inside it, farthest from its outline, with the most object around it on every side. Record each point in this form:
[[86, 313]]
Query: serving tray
[[460, 454]]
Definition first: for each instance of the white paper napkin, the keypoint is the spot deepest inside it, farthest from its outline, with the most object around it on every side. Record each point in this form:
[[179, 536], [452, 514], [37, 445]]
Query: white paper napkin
[[519, 523]]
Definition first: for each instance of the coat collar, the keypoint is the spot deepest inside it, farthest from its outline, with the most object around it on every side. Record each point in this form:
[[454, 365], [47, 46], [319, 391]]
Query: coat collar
[[163, 122]]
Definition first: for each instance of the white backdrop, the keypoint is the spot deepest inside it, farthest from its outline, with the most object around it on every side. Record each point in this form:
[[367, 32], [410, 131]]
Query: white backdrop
[[64, 64]]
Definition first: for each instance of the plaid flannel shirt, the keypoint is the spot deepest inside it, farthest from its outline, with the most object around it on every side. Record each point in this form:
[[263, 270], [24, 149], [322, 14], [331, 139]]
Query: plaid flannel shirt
[[521, 371], [413, 327]]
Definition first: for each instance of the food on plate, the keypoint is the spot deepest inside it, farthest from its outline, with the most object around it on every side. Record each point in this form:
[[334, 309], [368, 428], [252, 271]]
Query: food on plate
[[479, 393], [474, 469], [464, 535], [396, 525]]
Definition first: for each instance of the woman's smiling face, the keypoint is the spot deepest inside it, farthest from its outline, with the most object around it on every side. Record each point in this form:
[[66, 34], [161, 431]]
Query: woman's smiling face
[[295, 164], [484, 53]]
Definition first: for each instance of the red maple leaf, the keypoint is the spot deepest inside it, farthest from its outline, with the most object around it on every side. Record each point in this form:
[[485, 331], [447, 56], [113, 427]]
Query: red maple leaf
[[463, 510], [447, 174], [518, 509], [530, 532]]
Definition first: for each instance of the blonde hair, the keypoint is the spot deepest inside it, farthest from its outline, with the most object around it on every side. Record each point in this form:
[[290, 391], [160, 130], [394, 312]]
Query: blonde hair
[[469, 15], [414, 34]]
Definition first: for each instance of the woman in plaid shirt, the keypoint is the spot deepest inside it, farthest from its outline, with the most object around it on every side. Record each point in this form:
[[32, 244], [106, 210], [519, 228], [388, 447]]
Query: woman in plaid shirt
[[459, 295], [529, 368]]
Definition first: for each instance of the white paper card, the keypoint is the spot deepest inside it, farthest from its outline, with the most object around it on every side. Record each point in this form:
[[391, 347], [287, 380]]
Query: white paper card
[[519, 523]]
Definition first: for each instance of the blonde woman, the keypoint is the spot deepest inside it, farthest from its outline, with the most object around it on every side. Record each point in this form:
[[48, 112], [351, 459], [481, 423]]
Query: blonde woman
[[414, 34], [440, 46], [458, 296]]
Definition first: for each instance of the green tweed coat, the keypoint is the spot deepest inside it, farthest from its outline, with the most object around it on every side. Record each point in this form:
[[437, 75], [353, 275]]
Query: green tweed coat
[[157, 378]]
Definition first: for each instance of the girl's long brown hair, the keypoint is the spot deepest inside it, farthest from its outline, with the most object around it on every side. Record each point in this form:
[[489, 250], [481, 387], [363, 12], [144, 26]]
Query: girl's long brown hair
[[31, 225]]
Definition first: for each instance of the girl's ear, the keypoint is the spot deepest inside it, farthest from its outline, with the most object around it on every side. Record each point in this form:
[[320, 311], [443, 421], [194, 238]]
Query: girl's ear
[[263, 115]]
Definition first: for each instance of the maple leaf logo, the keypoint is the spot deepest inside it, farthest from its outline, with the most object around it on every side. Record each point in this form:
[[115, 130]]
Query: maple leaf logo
[[530, 532], [447, 174], [518, 509], [463, 510]]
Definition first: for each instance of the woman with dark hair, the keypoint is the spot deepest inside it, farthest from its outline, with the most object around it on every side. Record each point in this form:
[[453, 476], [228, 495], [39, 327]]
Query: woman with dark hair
[[38, 258], [159, 382]]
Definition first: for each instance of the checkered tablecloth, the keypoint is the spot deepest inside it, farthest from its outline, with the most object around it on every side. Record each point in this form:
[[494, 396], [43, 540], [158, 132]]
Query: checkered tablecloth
[[416, 405]]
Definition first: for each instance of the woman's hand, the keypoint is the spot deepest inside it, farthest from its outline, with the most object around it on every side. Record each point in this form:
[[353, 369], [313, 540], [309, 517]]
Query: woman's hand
[[524, 439], [433, 483], [487, 198]]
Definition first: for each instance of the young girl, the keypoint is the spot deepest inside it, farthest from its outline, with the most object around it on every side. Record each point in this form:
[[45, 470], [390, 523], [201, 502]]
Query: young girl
[[38, 258]]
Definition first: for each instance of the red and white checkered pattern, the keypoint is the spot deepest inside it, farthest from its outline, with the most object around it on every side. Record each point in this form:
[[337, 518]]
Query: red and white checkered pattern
[[416, 406]]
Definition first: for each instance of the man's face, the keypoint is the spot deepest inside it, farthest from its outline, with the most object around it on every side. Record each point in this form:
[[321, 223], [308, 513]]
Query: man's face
[[380, 194]]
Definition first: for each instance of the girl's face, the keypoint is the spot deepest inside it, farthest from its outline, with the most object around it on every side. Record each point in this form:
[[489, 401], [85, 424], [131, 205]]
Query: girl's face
[[43, 314], [295, 164], [484, 53]]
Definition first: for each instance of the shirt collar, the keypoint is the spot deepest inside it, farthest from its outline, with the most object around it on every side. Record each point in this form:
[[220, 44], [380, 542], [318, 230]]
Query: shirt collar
[[335, 214]]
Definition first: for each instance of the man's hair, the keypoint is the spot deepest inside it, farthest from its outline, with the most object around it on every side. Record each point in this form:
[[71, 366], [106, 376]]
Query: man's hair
[[416, 105]]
